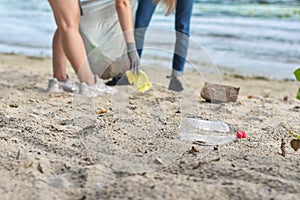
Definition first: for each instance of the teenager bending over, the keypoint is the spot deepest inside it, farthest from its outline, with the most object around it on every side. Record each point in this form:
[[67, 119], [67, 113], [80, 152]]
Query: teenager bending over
[[68, 45]]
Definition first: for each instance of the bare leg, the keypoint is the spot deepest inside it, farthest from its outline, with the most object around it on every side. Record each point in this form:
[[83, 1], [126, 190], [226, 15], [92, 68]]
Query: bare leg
[[67, 15], [59, 58]]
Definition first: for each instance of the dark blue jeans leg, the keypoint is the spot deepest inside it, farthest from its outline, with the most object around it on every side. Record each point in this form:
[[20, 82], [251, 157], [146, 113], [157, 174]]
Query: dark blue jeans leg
[[143, 17], [182, 26]]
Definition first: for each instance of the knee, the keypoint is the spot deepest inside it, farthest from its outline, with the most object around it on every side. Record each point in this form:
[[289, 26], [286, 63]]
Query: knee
[[67, 26]]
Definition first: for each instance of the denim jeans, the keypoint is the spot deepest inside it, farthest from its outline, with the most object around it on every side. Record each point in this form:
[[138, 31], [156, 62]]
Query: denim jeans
[[183, 14]]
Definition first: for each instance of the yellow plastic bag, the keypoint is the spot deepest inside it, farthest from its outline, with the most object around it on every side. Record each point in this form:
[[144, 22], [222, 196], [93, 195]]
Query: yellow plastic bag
[[140, 81]]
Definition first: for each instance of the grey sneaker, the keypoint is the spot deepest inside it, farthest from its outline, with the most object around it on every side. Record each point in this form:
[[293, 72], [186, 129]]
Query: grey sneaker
[[61, 86], [98, 89], [175, 85]]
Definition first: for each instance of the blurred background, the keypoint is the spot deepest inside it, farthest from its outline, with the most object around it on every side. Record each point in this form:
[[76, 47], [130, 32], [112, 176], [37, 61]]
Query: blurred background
[[252, 38]]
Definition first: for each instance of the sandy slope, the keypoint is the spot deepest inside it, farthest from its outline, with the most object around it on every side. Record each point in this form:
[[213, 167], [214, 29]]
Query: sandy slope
[[54, 146]]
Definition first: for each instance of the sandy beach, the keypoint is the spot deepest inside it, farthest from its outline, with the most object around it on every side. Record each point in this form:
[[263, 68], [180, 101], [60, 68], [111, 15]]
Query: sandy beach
[[126, 145]]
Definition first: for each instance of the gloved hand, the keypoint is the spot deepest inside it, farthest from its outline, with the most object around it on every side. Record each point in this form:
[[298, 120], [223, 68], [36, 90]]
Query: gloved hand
[[133, 58]]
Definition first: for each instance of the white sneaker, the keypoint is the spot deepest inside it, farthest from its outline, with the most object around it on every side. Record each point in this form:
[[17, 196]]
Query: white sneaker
[[98, 89], [60, 86]]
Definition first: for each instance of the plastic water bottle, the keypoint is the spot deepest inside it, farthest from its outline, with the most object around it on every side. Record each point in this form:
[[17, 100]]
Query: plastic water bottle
[[208, 132]]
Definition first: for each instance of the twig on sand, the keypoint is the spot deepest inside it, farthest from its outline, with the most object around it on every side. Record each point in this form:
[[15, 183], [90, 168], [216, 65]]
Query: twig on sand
[[193, 150], [39, 168], [295, 143], [18, 155], [282, 147], [291, 133], [200, 164]]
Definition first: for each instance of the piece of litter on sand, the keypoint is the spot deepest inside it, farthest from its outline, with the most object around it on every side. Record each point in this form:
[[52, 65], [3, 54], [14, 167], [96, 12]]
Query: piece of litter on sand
[[205, 132], [102, 111], [158, 161], [140, 80], [193, 150], [219, 93], [295, 144], [212, 140]]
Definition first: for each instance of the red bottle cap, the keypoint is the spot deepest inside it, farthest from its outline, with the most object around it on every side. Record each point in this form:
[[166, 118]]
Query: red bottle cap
[[240, 134]]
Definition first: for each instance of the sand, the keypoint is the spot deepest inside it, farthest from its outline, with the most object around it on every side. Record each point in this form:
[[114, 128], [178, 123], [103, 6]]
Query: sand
[[55, 146]]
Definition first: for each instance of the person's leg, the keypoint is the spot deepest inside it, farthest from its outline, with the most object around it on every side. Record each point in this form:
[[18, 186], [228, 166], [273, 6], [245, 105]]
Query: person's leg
[[182, 26], [59, 60], [67, 15], [143, 16]]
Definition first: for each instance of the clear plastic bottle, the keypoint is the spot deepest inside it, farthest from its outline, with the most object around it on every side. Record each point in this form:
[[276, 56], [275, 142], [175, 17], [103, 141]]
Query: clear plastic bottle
[[208, 132]]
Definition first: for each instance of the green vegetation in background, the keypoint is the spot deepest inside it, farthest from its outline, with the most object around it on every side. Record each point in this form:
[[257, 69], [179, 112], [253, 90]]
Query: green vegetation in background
[[298, 95], [297, 75], [296, 12], [250, 10]]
